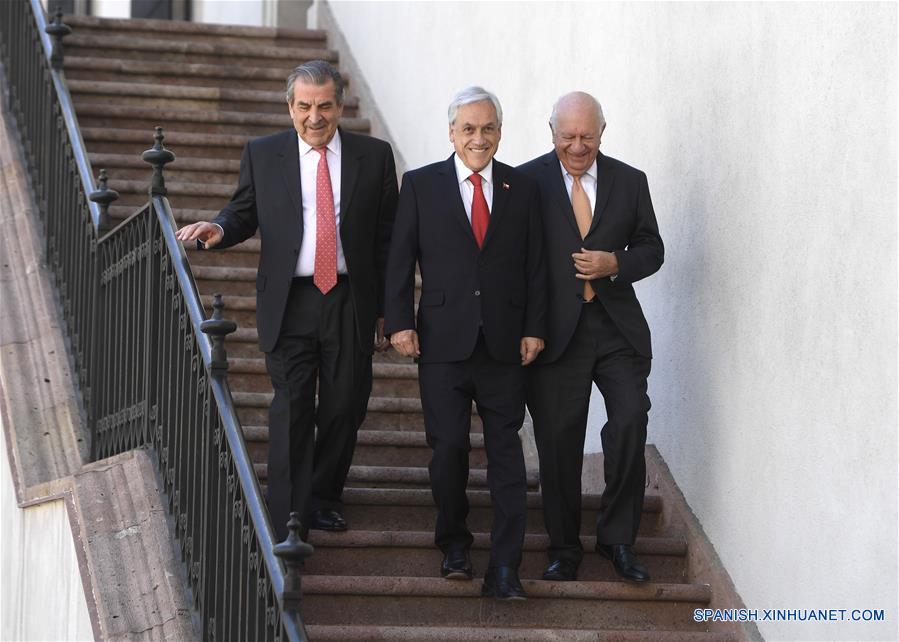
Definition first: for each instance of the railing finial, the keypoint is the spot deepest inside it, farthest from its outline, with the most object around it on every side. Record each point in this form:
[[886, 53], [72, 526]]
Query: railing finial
[[158, 156], [293, 551], [57, 31], [104, 197], [218, 328]]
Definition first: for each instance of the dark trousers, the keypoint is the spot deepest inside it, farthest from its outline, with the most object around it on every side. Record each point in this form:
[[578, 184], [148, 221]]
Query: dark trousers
[[558, 399], [307, 469], [498, 390]]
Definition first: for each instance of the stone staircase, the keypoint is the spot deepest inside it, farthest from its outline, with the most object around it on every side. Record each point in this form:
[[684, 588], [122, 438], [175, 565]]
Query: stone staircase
[[211, 87]]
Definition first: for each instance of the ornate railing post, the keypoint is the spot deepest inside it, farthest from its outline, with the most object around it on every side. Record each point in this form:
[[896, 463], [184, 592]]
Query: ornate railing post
[[218, 328], [57, 31], [158, 156], [104, 196], [293, 551]]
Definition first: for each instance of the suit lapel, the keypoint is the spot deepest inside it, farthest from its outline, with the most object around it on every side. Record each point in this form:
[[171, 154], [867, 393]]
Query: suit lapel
[[559, 192], [451, 186], [604, 180], [500, 200], [290, 168], [349, 172]]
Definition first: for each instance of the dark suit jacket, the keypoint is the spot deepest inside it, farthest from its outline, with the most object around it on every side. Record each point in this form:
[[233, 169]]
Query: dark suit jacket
[[623, 223], [502, 285], [268, 197]]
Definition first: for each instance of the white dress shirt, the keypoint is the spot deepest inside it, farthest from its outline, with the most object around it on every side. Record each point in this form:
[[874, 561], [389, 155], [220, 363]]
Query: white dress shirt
[[466, 188], [588, 182], [309, 159]]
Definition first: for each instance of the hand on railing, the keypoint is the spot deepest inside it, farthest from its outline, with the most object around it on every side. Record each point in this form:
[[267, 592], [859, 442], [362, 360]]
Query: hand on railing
[[209, 234]]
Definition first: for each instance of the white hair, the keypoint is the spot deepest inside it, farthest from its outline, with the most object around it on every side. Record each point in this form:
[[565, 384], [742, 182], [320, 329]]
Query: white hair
[[553, 118], [473, 94]]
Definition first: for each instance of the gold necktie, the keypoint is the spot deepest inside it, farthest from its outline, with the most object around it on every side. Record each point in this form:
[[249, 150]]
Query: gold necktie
[[583, 214]]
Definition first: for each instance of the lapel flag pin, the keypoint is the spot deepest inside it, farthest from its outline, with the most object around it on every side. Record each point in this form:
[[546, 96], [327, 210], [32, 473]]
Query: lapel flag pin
[[505, 186]]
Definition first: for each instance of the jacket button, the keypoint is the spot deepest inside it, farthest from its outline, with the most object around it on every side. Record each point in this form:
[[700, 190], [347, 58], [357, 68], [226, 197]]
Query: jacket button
[[477, 293]]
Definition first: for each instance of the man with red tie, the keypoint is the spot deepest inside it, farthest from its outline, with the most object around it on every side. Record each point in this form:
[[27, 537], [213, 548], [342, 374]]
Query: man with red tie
[[473, 225], [323, 200]]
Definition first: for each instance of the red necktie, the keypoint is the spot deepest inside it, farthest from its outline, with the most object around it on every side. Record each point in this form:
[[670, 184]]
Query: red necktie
[[325, 276], [480, 215]]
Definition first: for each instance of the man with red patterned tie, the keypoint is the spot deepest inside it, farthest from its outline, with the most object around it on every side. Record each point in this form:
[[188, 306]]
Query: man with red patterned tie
[[323, 200], [473, 225]]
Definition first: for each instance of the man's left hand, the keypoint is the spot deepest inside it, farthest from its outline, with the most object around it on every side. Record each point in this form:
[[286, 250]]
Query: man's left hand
[[382, 344], [530, 348], [594, 264]]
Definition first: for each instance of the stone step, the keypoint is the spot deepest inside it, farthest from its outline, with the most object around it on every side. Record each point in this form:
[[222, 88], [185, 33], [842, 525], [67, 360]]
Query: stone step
[[378, 447], [413, 554], [246, 374], [405, 601], [265, 78], [471, 633], [210, 122], [136, 47], [180, 30], [413, 509], [187, 97], [403, 477], [133, 142]]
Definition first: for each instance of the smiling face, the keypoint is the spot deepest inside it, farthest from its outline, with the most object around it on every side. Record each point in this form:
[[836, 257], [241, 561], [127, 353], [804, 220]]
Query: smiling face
[[315, 112], [475, 134], [576, 133]]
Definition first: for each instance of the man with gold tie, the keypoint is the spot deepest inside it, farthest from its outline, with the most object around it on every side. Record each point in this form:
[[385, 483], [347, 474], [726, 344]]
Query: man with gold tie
[[600, 236]]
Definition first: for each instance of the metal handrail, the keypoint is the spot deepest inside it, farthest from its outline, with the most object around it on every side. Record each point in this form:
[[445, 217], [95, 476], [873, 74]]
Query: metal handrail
[[68, 112], [133, 253]]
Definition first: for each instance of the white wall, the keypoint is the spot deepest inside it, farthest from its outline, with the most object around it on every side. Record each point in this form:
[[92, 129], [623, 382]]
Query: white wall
[[768, 133], [251, 13], [41, 595], [110, 8]]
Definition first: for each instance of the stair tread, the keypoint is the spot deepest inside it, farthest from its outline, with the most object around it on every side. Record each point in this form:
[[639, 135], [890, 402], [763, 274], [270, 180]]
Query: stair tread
[[405, 475], [391, 438], [194, 92], [133, 161], [375, 404], [123, 135], [185, 27], [396, 586], [425, 539], [421, 497], [112, 43], [202, 116], [479, 633], [230, 72]]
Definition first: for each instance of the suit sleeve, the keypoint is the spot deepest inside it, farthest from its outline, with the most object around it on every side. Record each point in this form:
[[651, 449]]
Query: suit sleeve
[[535, 313], [399, 305], [645, 251], [238, 219], [386, 218]]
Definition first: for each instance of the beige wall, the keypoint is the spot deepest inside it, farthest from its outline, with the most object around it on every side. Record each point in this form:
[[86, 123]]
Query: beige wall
[[768, 132]]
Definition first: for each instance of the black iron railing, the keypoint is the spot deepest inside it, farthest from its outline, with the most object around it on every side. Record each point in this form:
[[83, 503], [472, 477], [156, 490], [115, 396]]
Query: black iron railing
[[148, 373]]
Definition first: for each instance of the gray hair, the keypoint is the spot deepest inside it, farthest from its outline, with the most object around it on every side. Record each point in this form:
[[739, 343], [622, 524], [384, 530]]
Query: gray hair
[[473, 94], [580, 96], [316, 72]]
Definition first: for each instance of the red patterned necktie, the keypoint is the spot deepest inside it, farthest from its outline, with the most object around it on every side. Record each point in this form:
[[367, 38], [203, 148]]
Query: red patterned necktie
[[325, 276], [480, 215]]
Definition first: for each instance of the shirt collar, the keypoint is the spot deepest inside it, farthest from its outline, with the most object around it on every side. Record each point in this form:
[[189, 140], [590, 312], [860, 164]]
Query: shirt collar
[[591, 171], [333, 146], [463, 172]]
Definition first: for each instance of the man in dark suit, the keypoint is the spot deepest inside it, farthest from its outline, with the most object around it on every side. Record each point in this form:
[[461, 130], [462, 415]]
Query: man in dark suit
[[601, 236], [324, 201], [473, 225]]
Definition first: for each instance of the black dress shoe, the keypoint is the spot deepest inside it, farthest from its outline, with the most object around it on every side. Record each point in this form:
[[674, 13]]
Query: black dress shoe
[[327, 520], [561, 571], [456, 566], [624, 561], [502, 583]]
